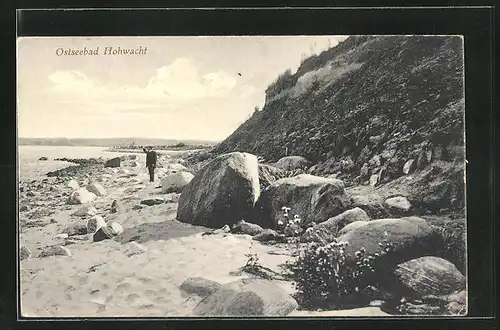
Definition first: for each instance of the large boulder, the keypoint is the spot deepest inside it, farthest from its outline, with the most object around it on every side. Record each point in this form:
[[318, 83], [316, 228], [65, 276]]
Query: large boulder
[[81, 196], [313, 198], [429, 276], [290, 163], [223, 192], [328, 230], [176, 182], [370, 201], [410, 237], [200, 286], [353, 225], [247, 297], [113, 162]]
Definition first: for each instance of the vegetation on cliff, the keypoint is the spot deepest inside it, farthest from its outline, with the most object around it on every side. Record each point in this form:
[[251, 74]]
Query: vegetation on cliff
[[364, 109]]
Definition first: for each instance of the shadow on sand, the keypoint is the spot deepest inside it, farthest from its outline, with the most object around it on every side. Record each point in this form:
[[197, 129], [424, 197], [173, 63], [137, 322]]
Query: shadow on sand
[[159, 231]]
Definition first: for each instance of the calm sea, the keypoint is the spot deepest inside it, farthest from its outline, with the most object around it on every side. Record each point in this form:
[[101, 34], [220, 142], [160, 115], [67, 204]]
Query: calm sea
[[31, 168]]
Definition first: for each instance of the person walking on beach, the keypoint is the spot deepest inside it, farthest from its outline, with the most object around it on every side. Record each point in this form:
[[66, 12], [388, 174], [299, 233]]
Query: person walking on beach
[[150, 162]]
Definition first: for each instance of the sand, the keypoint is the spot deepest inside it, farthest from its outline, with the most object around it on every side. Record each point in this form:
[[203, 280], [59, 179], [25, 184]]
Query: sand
[[104, 280]]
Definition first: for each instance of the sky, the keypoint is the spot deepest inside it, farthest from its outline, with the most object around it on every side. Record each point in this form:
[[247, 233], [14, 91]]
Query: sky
[[182, 87]]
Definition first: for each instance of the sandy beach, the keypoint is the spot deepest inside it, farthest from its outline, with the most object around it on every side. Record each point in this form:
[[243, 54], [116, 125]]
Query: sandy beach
[[103, 278]]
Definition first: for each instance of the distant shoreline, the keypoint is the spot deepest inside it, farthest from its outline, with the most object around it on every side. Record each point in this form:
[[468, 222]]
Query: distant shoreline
[[120, 143], [159, 151]]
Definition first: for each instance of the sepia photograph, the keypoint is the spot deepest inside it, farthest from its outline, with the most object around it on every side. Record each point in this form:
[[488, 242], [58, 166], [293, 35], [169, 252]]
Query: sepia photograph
[[241, 176]]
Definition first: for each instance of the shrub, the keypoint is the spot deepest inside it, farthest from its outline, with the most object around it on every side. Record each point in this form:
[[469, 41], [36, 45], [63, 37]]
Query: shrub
[[454, 245], [324, 279], [284, 81]]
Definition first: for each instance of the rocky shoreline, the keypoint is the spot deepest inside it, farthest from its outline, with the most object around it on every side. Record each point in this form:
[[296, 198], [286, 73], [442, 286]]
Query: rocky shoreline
[[124, 246]]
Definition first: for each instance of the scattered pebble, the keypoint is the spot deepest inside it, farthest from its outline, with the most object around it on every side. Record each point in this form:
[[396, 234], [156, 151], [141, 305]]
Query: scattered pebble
[[95, 223], [54, 251], [152, 201]]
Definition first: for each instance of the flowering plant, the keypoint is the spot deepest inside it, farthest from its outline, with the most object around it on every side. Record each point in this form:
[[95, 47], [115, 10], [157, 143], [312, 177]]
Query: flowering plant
[[323, 277], [288, 225]]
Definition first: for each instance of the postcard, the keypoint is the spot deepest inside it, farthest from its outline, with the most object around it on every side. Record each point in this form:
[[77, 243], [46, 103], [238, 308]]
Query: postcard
[[241, 176]]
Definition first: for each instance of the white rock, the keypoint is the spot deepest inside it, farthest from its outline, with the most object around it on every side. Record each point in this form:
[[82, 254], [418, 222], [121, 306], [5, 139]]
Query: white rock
[[176, 167], [95, 223], [408, 166], [97, 189], [172, 198], [81, 196], [398, 202], [176, 182], [73, 184], [374, 180], [115, 228]]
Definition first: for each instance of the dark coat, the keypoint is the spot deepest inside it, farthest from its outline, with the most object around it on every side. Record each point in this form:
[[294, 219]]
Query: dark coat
[[151, 158]]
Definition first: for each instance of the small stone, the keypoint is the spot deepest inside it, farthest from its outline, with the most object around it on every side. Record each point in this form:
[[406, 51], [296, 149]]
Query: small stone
[[75, 229], [54, 251], [94, 223], [113, 162], [399, 203], [97, 189], [269, 235], [107, 232], [61, 236], [374, 180], [152, 201], [409, 166], [114, 207]]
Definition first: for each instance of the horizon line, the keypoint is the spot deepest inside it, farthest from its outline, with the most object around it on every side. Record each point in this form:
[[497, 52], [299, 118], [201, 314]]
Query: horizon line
[[119, 137]]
